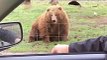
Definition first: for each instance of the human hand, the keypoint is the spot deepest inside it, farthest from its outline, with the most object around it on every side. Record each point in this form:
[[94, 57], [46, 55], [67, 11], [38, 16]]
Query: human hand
[[60, 48]]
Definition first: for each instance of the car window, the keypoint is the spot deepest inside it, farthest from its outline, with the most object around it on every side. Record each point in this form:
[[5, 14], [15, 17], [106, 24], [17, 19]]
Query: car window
[[85, 21]]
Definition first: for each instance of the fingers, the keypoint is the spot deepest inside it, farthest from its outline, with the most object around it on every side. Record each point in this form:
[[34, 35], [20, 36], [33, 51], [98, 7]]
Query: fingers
[[60, 49], [54, 51]]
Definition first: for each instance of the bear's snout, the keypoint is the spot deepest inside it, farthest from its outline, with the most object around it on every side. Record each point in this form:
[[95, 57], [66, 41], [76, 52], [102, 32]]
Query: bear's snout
[[54, 19]]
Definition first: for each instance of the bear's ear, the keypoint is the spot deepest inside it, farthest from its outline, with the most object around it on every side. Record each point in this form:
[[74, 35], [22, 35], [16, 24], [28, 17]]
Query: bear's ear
[[60, 8], [48, 10]]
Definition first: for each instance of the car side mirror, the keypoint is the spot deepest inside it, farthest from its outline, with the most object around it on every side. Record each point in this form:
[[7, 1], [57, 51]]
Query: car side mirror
[[10, 34]]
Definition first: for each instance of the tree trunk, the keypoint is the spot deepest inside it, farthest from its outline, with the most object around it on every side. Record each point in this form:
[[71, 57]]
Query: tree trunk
[[54, 2], [27, 2]]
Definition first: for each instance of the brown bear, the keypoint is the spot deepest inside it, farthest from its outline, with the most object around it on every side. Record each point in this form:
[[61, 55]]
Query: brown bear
[[52, 25]]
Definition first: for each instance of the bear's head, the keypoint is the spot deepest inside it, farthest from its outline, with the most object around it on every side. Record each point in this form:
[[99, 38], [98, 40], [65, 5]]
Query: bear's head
[[54, 14]]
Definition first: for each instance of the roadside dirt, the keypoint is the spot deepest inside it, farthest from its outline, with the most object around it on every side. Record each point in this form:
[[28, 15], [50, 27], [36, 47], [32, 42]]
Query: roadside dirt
[[99, 20]]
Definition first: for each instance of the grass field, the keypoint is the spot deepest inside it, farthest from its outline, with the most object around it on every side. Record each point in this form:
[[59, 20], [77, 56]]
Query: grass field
[[84, 23]]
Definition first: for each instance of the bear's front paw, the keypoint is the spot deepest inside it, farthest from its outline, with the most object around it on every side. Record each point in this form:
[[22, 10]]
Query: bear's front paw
[[31, 39]]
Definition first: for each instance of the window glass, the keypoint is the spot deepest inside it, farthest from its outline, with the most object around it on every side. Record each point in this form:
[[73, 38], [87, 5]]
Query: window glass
[[86, 21]]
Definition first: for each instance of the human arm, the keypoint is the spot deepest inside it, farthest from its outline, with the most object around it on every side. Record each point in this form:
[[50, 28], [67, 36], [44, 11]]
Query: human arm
[[90, 45], [8, 36]]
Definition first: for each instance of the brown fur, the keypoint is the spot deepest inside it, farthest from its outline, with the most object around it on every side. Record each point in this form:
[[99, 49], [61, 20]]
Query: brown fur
[[51, 25]]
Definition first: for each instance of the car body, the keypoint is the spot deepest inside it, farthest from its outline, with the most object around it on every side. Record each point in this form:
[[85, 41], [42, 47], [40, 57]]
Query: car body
[[10, 5]]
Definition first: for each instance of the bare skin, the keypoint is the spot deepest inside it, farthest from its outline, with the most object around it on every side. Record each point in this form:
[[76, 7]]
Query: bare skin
[[60, 48]]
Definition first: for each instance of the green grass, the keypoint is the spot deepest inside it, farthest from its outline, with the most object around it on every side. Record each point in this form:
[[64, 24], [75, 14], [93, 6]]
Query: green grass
[[82, 26]]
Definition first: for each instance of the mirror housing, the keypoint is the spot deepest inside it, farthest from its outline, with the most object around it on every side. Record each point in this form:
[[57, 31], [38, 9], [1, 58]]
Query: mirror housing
[[7, 6], [11, 33]]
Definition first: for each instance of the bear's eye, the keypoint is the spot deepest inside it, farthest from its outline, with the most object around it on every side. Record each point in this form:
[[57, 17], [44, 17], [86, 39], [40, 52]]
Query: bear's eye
[[60, 8], [56, 14], [48, 10], [51, 15]]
